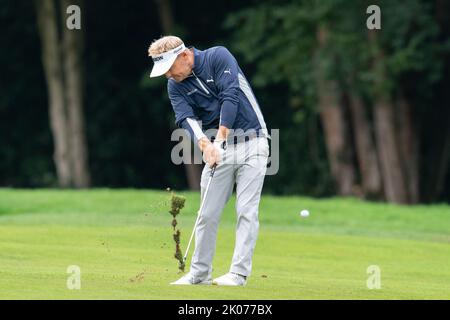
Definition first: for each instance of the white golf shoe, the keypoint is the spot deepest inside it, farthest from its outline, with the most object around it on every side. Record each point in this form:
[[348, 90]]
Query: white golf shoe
[[189, 279], [230, 279]]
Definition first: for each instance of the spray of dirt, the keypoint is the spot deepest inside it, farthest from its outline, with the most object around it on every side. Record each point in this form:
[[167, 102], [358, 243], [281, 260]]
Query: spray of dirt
[[177, 203]]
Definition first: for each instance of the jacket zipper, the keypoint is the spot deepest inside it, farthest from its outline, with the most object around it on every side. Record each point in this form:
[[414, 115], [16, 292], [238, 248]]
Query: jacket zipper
[[200, 83]]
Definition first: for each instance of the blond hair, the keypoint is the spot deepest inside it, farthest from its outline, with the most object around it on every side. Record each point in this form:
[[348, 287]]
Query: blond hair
[[163, 44]]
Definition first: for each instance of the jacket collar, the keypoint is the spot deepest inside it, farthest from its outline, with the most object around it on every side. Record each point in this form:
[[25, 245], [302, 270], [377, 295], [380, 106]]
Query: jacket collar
[[199, 59]]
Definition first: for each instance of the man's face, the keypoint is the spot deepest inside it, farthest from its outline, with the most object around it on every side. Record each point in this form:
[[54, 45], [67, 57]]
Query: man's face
[[180, 69]]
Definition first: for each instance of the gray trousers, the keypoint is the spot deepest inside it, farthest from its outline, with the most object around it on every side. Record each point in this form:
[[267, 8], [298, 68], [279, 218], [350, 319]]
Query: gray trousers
[[244, 164]]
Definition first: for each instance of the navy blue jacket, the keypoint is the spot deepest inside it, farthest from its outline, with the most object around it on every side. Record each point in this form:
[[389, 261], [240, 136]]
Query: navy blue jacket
[[217, 93]]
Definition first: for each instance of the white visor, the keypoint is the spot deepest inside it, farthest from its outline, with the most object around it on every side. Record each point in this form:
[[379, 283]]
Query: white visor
[[163, 62]]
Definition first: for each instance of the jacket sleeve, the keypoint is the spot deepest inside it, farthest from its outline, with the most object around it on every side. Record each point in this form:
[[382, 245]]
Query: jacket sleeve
[[193, 128], [180, 106], [184, 114], [227, 81]]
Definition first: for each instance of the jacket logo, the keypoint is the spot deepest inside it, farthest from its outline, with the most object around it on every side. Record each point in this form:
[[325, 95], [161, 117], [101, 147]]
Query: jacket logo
[[209, 80], [192, 92], [227, 71]]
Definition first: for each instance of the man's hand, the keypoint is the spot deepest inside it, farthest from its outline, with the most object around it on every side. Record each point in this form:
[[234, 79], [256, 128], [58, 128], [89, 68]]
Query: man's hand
[[213, 153], [210, 153]]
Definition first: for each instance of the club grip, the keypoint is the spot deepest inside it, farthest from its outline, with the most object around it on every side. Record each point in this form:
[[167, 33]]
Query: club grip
[[213, 169]]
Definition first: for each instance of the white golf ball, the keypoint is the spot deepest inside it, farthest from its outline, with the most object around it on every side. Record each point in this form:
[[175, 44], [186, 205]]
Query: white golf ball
[[304, 213]]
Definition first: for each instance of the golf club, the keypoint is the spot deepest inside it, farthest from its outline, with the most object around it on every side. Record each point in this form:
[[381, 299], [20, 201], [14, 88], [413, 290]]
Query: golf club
[[200, 211]]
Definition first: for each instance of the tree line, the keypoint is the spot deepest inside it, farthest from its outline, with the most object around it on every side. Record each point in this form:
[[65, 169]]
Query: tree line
[[363, 112], [375, 91]]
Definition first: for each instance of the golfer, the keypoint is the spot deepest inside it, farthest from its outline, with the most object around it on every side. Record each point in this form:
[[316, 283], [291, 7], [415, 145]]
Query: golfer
[[208, 90]]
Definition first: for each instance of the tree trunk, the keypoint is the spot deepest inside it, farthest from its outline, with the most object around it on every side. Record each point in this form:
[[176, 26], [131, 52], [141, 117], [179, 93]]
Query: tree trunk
[[339, 156], [391, 166], [365, 149], [392, 170], [193, 171], [438, 157], [51, 57], [337, 137], [165, 15], [62, 60], [73, 48], [409, 148], [442, 167]]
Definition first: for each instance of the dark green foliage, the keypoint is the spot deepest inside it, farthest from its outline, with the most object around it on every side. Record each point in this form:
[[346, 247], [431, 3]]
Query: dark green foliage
[[278, 39], [129, 119], [25, 138]]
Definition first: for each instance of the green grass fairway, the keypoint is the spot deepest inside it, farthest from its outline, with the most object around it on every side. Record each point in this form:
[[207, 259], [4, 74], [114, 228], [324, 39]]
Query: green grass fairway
[[122, 241]]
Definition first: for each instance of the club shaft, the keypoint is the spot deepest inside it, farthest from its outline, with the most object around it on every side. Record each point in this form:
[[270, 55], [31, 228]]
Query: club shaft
[[199, 213]]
